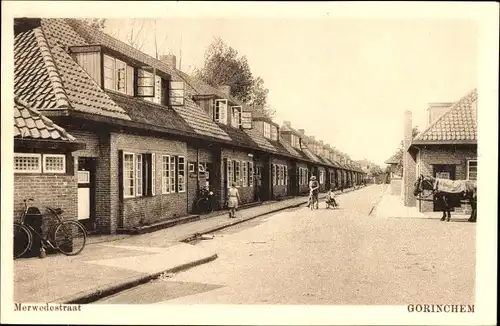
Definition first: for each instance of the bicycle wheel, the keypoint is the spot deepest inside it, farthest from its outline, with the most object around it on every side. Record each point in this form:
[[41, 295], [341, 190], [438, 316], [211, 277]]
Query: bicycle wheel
[[70, 237], [201, 204], [22, 240]]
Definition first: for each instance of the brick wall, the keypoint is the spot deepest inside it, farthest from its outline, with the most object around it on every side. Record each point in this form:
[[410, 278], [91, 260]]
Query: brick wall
[[53, 190], [246, 193], [439, 155], [194, 179], [129, 212], [279, 191]]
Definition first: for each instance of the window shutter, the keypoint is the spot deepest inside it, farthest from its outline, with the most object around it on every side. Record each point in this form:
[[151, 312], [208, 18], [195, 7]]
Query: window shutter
[[246, 120], [120, 174], [130, 80], [176, 93]]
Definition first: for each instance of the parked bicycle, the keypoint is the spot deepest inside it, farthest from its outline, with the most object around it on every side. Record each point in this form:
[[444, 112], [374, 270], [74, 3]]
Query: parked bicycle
[[205, 203], [69, 237]]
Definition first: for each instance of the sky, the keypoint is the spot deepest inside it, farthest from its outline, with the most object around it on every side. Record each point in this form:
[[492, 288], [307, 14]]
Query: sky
[[345, 81]]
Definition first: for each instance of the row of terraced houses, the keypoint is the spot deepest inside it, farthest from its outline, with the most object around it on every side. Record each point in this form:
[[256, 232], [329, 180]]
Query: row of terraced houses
[[120, 139]]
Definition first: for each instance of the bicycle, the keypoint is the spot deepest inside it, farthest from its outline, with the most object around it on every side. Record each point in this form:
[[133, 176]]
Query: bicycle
[[68, 237], [204, 204]]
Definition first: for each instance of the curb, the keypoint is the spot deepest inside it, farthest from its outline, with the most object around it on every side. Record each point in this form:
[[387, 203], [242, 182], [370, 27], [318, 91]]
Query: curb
[[378, 201], [110, 289]]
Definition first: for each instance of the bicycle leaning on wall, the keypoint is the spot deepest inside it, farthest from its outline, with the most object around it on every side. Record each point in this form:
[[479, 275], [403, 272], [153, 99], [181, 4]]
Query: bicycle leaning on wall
[[67, 236]]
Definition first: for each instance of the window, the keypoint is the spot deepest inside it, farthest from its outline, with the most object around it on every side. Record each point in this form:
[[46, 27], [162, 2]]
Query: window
[[250, 174], [274, 133], [128, 175], [54, 163], [27, 163], [191, 168], [321, 177], [286, 175], [295, 141], [282, 175], [230, 173], [145, 83], [471, 169], [165, 175], [138, 177], [115, 74], [176, 93], [267, 130], [157, 91], [236, 116], [181, 174], [237, 167], [244, 177], [220, 112]]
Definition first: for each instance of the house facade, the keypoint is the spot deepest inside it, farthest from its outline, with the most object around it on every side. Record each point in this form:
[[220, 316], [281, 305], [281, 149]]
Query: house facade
[[154, 135], [447, 148]]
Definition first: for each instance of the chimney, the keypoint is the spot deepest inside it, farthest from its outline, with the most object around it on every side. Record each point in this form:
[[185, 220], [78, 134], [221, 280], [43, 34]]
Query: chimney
[[287, 123], [409, 164], [435, 110], [169, 59], [301, 131], [225, 89], [25, 24]]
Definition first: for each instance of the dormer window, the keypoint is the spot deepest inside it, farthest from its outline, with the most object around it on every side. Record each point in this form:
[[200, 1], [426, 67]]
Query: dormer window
[[146, 89], [176, 93], [236, 116], [295, 140], [115, 74], [267, 130], [220, 111], [274, 133]]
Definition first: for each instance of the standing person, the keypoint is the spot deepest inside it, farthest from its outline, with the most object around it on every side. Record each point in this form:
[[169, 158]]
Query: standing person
[[313, 192], [233, 200]]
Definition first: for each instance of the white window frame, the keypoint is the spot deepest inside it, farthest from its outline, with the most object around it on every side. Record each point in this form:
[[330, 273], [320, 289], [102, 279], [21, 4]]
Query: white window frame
[[220, 111], [165, 174], [45, 170], [134, 183], [139, 186], [274, 174], [274, 132], [191, 167], [286, 175], [181, 186], [244, 177], [267, 130], [237, 173], [230, 173], [236, 116], [39, 156], [115, 74], [468, 168], [157, 98]]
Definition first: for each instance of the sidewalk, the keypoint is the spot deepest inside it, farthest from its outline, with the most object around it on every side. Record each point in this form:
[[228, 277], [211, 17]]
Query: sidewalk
[[392, 206], [110, 264]]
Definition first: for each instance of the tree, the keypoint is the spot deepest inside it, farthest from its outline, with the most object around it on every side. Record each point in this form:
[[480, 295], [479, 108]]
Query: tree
[[400, 152], [224, 66], [97, 23]]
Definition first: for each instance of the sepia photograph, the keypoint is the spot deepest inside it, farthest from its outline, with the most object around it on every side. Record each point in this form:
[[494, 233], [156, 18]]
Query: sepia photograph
[[249, 163]]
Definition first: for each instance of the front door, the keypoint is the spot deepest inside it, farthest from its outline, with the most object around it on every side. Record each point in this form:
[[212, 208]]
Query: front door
[[86, 192], [444, 171]]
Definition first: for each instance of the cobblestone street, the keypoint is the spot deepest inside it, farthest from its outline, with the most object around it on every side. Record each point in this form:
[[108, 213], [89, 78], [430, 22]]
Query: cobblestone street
[[333, 257]]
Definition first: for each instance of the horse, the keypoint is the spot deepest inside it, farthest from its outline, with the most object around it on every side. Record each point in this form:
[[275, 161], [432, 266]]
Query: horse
[[449, 192]]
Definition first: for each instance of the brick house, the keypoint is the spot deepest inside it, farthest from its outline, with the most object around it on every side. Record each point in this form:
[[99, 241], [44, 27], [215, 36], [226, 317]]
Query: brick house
[[447, 148], [44, 168], [154, 135]]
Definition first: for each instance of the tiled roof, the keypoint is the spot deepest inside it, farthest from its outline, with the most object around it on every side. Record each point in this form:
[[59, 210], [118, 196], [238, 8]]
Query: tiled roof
[[197, 118], [31, 124], [94, 36], [149, 113], [48, 79], [392, 160], [457, 124], [310, 155], [239, 137], [289, 148], [260, 140]]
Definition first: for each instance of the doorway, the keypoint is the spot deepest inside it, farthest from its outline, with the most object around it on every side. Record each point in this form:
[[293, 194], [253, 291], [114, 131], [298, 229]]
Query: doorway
[[443, 171], [86, 192]]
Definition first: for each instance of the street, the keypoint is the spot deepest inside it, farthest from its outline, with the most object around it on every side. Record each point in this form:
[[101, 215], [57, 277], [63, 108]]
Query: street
[[334, 257]]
